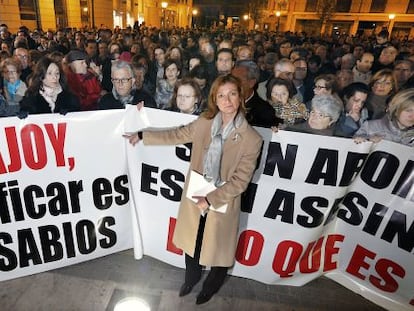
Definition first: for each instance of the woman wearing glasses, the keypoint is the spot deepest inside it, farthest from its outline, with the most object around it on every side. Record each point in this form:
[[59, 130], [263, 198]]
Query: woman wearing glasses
[[325, 84], [13, 87], [187, 97], [124, 90], [323, 116], [48, 91], [383, 86]]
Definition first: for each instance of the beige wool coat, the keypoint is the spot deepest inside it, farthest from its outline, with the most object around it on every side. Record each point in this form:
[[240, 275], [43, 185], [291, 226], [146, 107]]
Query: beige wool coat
[[239, 159]]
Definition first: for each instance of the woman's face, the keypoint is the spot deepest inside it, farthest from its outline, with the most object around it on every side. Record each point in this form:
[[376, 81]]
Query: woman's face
[[280, 94], [79, 66], [320, 88], [10, 74], [171, 72], [356, 102], [186, 99], [406, 117], [318, 120], [228, 99], [383, 86], [52, 76]]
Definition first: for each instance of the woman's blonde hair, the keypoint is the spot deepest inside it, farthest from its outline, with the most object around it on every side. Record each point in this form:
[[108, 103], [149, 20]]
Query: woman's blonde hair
[[384, 73], [401, 101], [212, 108]]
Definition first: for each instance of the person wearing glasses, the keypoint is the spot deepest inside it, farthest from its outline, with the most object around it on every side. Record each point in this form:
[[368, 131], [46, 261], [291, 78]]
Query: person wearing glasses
[[13, 87], [48, 91], [397, 125], [22, 55], [323, 117], [187, 97], [124, 91], [383, 86], [325, 84], [225, 152], [82, 82]]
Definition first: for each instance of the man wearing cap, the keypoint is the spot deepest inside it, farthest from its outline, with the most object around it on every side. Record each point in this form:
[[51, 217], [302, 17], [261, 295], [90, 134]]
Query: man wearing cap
[[82, 82]]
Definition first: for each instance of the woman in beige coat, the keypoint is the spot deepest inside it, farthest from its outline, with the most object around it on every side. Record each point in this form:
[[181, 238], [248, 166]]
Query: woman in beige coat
[[225, 151]]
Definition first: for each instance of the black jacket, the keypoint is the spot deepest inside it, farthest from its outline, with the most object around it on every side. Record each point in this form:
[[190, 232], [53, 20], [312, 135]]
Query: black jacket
[[65, 102], [108, 101], [260, 113]]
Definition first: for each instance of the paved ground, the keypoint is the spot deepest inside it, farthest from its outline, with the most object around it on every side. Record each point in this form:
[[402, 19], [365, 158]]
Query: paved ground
[[99, 284]]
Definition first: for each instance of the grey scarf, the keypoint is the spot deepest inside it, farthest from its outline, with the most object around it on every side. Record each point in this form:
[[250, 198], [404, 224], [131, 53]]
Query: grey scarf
[[128, 99], [212, 158]]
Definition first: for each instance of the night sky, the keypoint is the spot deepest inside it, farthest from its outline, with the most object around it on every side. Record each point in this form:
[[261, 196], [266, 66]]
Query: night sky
[[228, 7]]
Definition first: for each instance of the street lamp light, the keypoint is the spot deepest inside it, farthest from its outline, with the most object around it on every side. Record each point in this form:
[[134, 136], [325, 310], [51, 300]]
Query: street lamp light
[[278, 21], [164, 5], [391, 18], [194, 13]]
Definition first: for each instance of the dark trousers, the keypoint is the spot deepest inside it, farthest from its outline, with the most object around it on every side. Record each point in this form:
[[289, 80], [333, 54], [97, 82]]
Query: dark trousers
[[193, 268]]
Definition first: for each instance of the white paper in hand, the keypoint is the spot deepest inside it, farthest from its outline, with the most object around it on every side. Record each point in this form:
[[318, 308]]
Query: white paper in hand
[[198, 186], [135, 120]]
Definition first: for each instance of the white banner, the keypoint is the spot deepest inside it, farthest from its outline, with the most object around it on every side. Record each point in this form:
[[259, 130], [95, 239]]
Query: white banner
[[289, 232], [64, 199], [64, 193]]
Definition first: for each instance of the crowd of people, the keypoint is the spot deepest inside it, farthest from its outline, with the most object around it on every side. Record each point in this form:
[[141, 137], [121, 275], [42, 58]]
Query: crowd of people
[[355, 87], [283, 75]]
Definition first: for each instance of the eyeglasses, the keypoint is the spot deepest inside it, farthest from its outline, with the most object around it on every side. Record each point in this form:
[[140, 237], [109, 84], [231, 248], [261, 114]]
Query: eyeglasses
[[121, 81], [10, 72], [181, 96], [22, 56], [318, 115], [318, 87], [386, 83]]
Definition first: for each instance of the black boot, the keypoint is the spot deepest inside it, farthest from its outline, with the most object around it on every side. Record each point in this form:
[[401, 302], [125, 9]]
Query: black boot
[[212, 284]]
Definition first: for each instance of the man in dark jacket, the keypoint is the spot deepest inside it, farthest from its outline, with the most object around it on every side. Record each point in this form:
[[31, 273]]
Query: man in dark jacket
[[258, 111], [124, 90]]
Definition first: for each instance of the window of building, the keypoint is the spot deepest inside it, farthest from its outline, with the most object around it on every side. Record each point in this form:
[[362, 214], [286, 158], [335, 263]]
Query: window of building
[[410, 8], [27, 10], [378, 6], [311, 5], [60, 13], [343, 6]]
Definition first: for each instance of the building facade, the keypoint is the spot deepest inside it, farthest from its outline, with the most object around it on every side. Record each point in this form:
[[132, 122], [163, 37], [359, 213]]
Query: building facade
[[55, 14], [346, 17]]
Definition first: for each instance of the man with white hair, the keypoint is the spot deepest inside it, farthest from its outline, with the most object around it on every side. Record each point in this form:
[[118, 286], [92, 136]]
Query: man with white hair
[[283, 69]]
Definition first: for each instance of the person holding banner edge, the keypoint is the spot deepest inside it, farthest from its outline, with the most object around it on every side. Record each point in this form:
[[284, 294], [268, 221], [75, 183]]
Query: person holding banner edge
[[225, 151]]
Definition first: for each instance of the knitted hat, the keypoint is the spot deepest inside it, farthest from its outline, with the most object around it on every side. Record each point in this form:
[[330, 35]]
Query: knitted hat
[[125, 56], [76, 55]]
